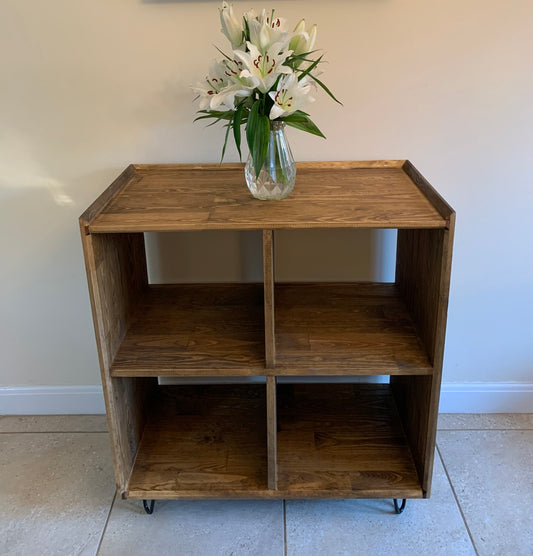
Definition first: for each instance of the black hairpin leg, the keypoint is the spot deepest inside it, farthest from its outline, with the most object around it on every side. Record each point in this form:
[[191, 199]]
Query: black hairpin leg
[[399, 508], [148, 508]]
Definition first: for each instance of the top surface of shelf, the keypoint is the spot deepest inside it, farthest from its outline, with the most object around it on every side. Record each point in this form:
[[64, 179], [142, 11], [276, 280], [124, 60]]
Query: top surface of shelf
[[379, 194]]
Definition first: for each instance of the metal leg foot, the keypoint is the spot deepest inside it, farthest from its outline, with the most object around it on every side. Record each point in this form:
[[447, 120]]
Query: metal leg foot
[[148, 508], [399, 508]]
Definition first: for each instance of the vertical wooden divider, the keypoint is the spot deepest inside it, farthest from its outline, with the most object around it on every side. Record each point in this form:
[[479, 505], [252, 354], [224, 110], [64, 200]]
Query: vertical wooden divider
[[270, 356], [268, 280], [272, 440]]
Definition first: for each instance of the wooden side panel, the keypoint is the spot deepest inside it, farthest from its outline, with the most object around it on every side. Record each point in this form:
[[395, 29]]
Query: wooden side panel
[[423, 276], [418, 273], [413, 396], [272, 440], [268, 276], [116, 274]]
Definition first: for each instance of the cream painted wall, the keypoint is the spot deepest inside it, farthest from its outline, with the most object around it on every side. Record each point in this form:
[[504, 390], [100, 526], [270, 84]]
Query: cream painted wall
[[90, 86]]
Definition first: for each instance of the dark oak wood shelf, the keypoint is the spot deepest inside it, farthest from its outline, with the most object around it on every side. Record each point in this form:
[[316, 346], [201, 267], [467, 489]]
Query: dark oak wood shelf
[[270, 439], [343, 441], [203, 442], [218, 330], [195, 330], [178, 197], [340, 441], [345, 329]]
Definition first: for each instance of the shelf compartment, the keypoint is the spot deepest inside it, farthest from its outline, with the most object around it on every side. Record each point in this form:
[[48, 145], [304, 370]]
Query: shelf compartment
[[345, 329], [195, 330], [203, 442], [342, 441]]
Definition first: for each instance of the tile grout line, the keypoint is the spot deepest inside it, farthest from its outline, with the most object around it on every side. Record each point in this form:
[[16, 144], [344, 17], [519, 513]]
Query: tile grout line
[[106, 522], [457, 501], [284, 527]]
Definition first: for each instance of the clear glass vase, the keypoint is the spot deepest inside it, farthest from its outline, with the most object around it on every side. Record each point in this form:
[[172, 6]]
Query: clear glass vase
[[278, 174]]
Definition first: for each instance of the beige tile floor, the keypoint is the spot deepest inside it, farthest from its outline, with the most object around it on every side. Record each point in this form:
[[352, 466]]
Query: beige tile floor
[[57, 497]]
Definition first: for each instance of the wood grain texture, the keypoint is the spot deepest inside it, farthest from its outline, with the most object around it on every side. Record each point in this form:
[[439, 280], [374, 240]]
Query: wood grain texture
[[345, 329], [214, 197], [203, 442], [423, 276], [272, 435], [116, 274], [273, 441], [418, 273], [127, 176], [334, 441], [444, 209], [268, 280], [195, 330], [339, 440]]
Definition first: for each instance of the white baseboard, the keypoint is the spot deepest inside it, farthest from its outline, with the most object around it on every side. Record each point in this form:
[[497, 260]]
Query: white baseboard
[[463, 397], [486, 397], [51, 400]]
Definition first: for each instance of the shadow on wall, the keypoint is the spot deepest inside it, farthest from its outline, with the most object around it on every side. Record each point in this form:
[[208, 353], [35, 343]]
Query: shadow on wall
[[301, 255]]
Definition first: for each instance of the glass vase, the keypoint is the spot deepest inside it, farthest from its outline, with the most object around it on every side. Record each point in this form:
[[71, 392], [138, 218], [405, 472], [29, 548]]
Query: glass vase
[[278, 174]]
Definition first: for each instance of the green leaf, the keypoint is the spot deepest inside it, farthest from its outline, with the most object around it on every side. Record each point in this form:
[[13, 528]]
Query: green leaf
[[246, 29], [302, 56], [257, 136], [325, 89], [217, 115], [237, 120], [250, 125], [297, 116], [301, 121], [223, 54], [262, 135], [228, 127], [310, 68]]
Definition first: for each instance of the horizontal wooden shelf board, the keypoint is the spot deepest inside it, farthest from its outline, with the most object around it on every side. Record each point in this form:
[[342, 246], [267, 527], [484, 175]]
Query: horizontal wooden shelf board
[[340, 437], [209, 439], [268, 494], [195, 330], [340, 441], [376, 194], [321, 329], [345, 329]]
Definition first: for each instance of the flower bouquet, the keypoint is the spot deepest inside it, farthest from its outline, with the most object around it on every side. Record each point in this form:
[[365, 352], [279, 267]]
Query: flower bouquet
[[263, 83]]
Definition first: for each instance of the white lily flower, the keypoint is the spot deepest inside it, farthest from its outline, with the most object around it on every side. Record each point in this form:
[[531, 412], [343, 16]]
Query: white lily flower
[[290, 96], [221, 86], [262, 69], [302, 40], [267, 30], [231, 26]]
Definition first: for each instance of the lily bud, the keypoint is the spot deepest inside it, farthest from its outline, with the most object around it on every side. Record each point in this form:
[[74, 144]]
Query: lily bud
[[300, 27], [312, 38], [303, 41], [231, 26], [299, 37]]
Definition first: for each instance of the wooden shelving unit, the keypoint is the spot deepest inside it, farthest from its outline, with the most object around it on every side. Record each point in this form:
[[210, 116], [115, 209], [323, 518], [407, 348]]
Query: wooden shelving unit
[[270, 438]]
